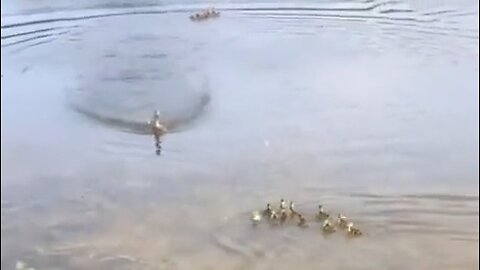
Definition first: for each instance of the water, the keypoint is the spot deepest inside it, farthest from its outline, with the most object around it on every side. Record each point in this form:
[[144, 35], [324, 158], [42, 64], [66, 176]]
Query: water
[[370, 108]]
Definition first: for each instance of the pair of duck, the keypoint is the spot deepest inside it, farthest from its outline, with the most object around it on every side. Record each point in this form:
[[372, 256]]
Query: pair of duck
[[205, 14], [281, 216], [342, 222]]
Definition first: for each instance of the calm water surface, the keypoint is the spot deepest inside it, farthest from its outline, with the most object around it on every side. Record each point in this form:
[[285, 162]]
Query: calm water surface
[[370, 108]]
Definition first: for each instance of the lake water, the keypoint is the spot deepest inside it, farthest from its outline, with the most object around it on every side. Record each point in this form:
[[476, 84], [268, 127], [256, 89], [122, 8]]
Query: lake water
[[368, 107]]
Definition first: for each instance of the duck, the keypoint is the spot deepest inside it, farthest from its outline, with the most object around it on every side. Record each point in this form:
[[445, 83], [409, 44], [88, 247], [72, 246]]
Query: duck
[[256, 217], [342, 221], [283, 216], [268, 211], [327, 227], [158, 129], [353, 231], [273, 215], [283, 204], [302, 222], [292, 210], [322, 214]]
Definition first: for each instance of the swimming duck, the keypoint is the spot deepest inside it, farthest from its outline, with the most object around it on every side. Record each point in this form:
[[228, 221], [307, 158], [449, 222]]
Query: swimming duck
[[268, 211], [158, 129], [256, 217], [322, 214], [273, 215], [352, 231], [302, 222], [293, 212], [342, 221], [327, 227], [283, 216], [283, 204]]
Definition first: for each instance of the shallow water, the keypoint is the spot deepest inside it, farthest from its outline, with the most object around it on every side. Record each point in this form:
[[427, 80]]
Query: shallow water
[[370, 108]]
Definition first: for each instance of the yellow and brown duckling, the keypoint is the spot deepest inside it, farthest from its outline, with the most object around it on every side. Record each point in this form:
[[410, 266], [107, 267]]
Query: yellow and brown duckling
[[328, 227], [353, 231], [283, 215], [322, 214], [293, 212], [302, 222], [283, 204], [342, 221], [268, 211]]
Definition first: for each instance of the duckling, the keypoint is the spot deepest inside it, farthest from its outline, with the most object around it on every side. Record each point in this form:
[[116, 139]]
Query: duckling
[[352, 231], [274, 218], [293, 212], [273, 215], [215, 13], [268, 211], [327, 227], [283, 204], [342, 221], [283, 216], [302, 222], [322, 214], [256, 217]]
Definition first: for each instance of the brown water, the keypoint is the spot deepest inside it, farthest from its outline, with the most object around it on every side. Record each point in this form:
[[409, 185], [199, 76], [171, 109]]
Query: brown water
[[367, 108]]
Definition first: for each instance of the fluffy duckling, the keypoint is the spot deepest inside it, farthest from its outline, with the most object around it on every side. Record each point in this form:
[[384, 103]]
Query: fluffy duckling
[[352, 231], [256, 217], [283, 216], [342, 221], [322, 214], [327, 227], [292, 210], [273, 215], [268, 211], [283, 204], [302, 222]]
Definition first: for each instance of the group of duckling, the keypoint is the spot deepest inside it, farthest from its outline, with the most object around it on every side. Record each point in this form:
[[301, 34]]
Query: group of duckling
[[205, 14], [288, 214]]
